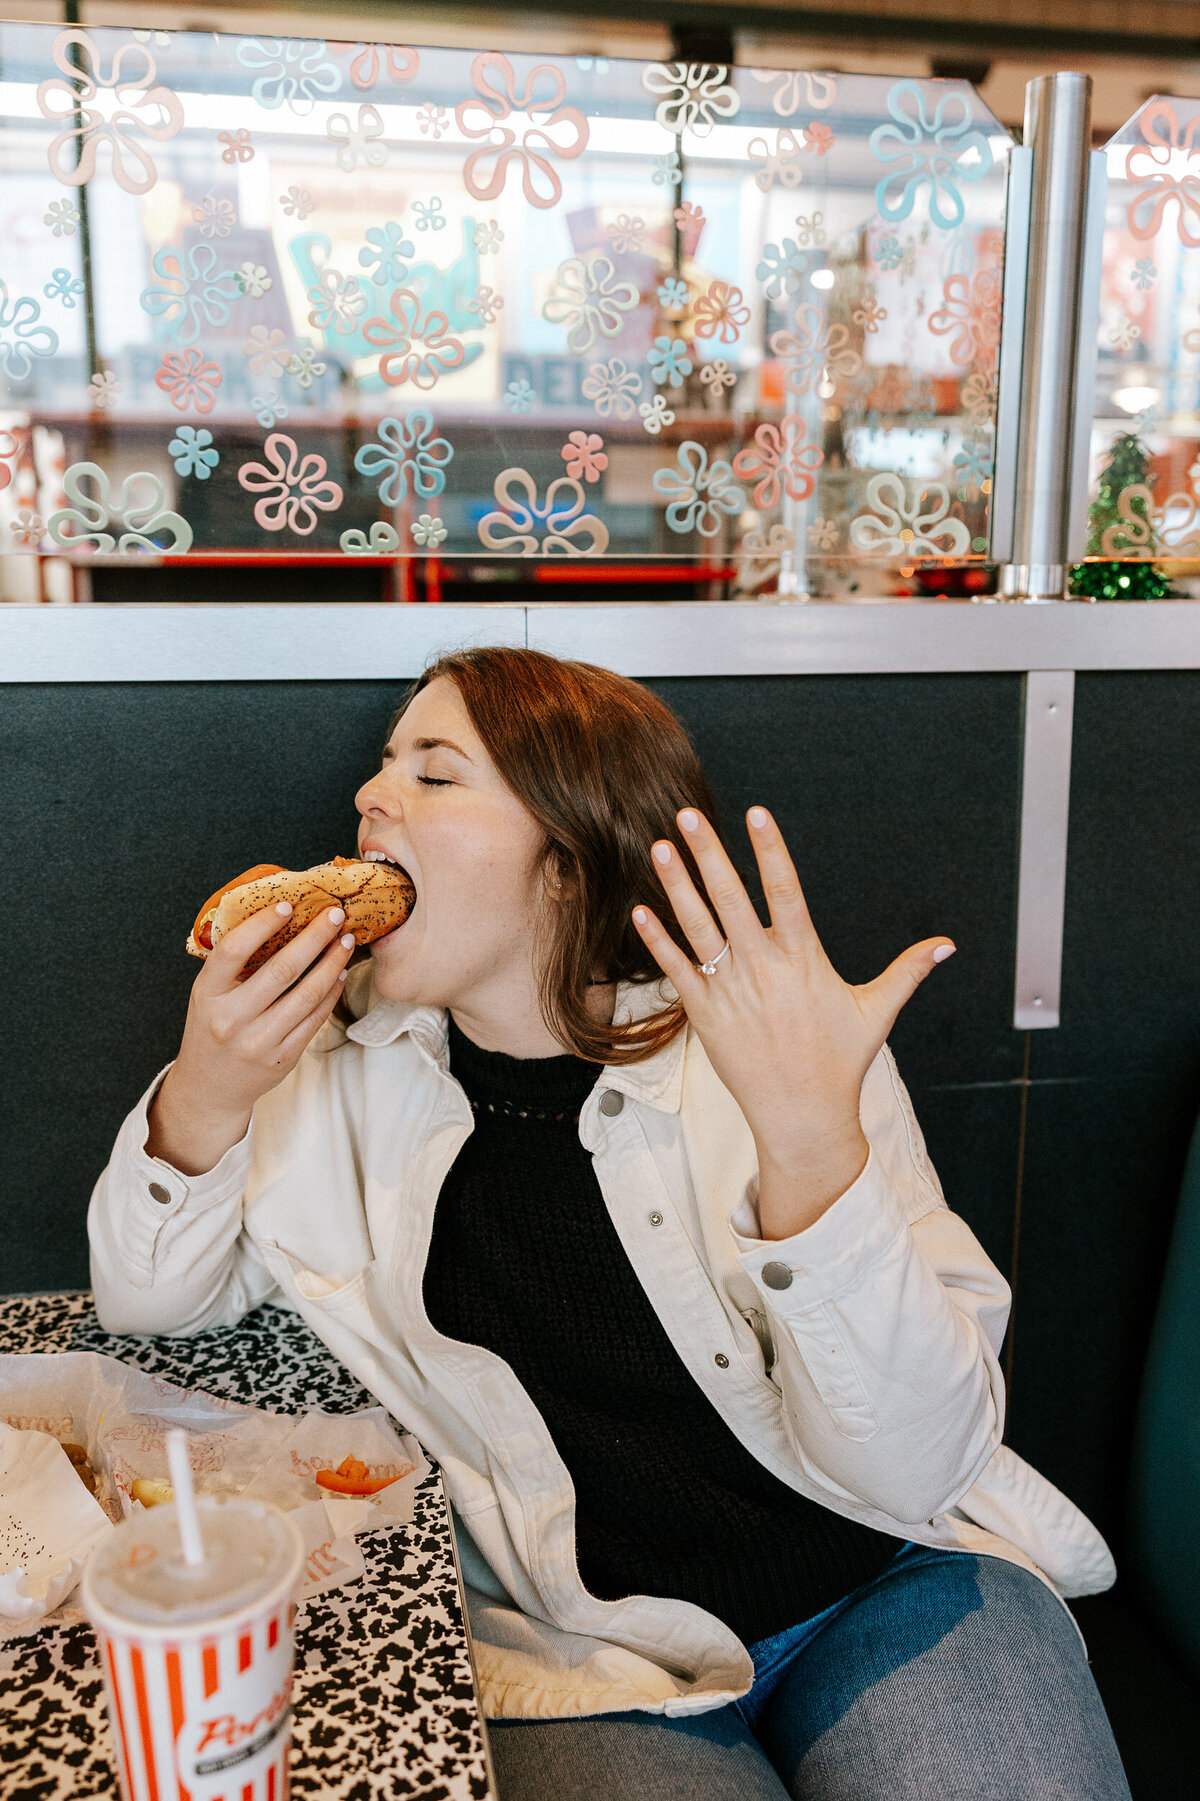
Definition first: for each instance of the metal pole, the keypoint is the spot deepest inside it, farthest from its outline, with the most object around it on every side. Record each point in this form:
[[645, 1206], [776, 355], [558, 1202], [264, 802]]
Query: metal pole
[[1058, 129]]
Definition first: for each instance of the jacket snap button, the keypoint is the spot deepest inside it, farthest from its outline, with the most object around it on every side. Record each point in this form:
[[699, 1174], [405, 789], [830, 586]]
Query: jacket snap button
[[777, 1275], [160, 1194], [656, 1219], [721, 1361], [611, 1101]]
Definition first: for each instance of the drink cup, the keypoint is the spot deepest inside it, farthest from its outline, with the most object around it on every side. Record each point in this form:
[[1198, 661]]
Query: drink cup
[[197, 1658]]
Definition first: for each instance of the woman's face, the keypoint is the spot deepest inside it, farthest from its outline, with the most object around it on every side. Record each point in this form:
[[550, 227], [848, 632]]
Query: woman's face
[[471, 849]]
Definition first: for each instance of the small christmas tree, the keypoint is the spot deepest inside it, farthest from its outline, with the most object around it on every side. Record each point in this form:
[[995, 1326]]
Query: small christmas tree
[[1128, 465]]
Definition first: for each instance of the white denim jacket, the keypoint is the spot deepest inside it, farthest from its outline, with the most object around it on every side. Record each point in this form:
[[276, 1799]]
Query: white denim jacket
[[870, 1381]]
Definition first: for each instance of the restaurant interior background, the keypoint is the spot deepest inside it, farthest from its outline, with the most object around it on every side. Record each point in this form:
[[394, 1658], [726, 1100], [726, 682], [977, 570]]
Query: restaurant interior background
[[213, 405]]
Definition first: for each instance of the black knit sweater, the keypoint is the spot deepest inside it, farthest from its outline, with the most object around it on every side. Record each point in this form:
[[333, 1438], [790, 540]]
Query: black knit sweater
[[525, 1260]]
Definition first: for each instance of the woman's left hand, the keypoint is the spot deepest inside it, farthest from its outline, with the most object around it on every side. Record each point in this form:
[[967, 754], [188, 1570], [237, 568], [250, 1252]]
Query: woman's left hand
[[789, 1039]]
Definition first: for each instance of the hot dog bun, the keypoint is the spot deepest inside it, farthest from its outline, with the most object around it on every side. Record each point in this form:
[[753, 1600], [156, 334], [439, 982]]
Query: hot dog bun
[[376, 896]]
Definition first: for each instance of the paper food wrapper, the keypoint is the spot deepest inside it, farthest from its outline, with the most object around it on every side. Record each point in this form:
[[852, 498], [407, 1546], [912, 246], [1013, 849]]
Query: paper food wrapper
[[49, 1522]]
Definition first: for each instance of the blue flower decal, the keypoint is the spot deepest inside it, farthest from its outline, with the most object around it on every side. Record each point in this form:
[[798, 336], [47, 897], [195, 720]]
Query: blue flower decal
[[387, 249], [673, 292], [406, 451], [782, 270], [192, 456], [700, 492], [669, 361], [431, 217], [519, 396], [888, 253], [939, 153], [63, 286]]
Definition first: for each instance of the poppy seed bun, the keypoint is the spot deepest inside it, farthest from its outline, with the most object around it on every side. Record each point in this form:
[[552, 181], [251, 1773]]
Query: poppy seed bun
[[376, 897]]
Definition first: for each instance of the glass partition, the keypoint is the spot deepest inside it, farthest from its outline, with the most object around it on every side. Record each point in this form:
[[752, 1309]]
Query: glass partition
[[1144, 487], [268, 298]]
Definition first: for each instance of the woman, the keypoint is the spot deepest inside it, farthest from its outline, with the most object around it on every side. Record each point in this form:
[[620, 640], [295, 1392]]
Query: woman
[[614, 1197]]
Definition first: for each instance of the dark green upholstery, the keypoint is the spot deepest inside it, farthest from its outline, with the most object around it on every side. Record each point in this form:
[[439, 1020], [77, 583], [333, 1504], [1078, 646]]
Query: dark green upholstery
[[1163, 1553]]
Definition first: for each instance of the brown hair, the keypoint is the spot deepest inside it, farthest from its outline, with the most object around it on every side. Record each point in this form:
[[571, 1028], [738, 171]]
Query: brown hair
[[603, 765]]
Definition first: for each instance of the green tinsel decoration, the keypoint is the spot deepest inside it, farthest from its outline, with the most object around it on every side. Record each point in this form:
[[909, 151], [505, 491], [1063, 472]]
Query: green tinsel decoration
[[1137, 579]]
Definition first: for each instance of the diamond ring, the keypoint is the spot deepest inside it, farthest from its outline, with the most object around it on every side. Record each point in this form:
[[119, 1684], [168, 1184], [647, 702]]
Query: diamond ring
[[708, 969]]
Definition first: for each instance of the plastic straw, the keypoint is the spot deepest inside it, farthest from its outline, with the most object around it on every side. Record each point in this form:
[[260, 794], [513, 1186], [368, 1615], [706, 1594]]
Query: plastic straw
[[179, 1464]]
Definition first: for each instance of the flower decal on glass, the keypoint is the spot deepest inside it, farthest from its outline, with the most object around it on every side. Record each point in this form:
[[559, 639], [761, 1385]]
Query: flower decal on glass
[[253, 279], [188, 379], [782, 271], [695, 96], [780, 457], [868, 313], [295, 71], [294, 489], [304, 367], [811, 349], [794, 88], [557, 527], [551, 128], [380, 541], [673, 294], [192, 450], [402, 63], [10, 451], [140, 508], [583, 453], [669, 361], [591, 301], [908, 521], [214, 218], [487, 237], [519, 396], [388, 249], [1144, 273], [823, 533], [716, 377], [268, 350], [336, 302], [62, 218], [612, 388], [780, 165], [268, 408], [359, 142], [431, 216], [21, 337], [627, 233], [700, 494], [196, 290], [428, 531], [655, 414], [107, 112], [28, 528], [487, 305], [1167, 167], [818, 136], [298, 201], [238, 148], [668, 169], [103, 389], [433, 120], [970, 315], [690, 219], [938, 153], [720, 313], [406, 453], [419, 347], [63, 286]]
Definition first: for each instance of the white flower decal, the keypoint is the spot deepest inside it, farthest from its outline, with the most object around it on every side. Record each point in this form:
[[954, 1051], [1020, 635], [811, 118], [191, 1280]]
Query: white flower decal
[[515, 528], [904, 524], [592, 301], [106, 110], [139, 507], [696, 95]]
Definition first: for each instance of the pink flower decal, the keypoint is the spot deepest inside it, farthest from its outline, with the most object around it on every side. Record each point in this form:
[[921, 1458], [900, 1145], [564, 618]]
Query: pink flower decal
[[971, 310], [402, 63], [238, 148], [188, 380], [1159, 185], [583, 453], [106, 109], [10, 450], [818, 136], [418, 349], [486, 171], [690, 216], [720, 313], [780, 455], [293, 490]]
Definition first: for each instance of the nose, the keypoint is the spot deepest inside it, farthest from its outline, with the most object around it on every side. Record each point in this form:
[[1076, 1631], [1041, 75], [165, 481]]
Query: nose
[[373, 799]]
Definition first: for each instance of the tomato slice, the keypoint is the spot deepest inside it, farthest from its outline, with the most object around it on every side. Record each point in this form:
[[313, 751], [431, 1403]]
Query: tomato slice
[[351, 1478]]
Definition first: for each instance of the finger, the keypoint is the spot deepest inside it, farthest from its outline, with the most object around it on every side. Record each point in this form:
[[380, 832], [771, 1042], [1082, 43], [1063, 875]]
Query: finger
[[884, 997], [788, 909], [739, 923], [224, 963], [299, 1001], [301, 1035], [290, 961], [670, 959]]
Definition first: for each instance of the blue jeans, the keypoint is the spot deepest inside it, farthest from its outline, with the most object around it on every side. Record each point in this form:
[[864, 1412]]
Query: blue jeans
[[949, 1677]]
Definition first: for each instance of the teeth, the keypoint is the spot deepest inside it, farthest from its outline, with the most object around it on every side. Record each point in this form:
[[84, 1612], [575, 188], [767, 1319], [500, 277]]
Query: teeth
[[379, 856]]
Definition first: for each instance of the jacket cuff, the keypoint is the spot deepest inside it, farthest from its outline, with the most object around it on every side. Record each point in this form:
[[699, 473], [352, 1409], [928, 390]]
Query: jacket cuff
[[817, 1263], [160, 1191]]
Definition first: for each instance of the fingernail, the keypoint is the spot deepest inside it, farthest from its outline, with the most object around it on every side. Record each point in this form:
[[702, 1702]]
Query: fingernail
[[757, 816], [661, 853], [640, 915], [943, 951], [283, 907], [336, 916], [689, 820], [346, 940]]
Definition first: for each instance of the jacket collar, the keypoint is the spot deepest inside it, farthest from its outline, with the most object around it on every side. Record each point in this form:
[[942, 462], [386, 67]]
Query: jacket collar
[[657, 1080]]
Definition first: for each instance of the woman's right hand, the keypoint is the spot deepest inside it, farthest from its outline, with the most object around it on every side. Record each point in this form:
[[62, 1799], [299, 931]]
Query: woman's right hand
[[244, 1034]]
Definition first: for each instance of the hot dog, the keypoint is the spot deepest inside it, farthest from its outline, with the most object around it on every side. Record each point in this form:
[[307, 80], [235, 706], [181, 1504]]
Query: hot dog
[[376, 897]]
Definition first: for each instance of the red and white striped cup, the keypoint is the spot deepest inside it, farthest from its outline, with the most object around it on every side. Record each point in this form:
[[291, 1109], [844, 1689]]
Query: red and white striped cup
[[197, 1659]]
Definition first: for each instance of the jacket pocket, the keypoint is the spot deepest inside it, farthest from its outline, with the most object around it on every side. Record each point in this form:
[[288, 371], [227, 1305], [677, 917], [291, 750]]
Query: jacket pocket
[[331, 1293], [834, 1375]]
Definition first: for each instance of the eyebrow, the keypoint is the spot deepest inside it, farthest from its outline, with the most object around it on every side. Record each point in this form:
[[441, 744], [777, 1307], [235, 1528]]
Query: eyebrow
[[433, 744]]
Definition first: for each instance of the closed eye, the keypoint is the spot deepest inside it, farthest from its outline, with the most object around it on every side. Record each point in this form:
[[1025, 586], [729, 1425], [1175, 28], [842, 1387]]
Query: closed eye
[[433, 781]]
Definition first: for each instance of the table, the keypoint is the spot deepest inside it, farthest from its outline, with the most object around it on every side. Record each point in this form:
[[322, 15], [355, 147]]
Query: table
[[385, 1698]]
